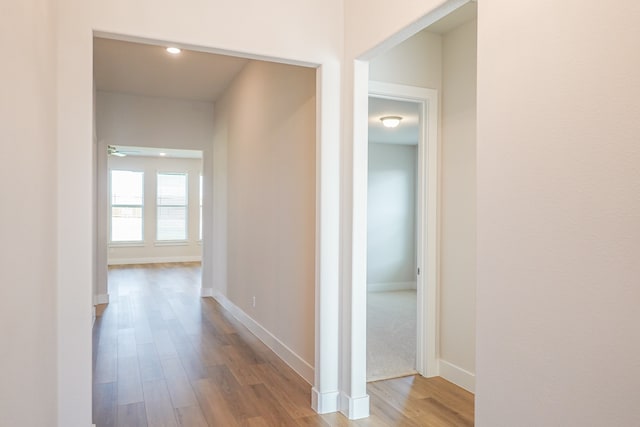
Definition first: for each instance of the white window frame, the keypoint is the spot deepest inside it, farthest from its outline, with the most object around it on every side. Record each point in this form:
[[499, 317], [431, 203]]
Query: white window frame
[[126, 243], [174, 242]]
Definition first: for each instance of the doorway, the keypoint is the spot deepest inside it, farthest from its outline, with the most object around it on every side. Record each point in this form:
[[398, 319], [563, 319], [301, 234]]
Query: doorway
[[441, 56], [394, 136], [153, 113], [246, 178], [154, 204], [401, 220]]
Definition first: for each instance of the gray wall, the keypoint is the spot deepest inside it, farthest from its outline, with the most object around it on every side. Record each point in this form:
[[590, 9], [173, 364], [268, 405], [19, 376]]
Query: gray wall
[[391, 217]]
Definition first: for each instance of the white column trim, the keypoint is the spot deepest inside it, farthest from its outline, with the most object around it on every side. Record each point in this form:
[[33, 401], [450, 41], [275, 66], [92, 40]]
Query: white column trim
[[101, 299], [327, 281], [354, 408], [324, 403]]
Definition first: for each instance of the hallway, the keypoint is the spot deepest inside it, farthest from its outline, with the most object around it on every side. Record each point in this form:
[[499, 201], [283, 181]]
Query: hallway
[[165, 356]]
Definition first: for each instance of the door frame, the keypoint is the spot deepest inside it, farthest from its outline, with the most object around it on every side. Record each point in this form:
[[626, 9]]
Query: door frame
[[427, 201]]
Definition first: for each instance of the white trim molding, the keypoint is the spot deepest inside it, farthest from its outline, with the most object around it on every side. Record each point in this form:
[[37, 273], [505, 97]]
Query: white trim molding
[[325, 394], [457, 375], [391, 286], [354, 408], [101, 299], [324, 403], [153, 260], [427, 248], [295, 362], [206, 292]]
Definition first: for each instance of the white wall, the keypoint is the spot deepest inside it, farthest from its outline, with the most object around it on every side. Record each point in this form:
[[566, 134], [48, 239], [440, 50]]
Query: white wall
[[124, 119], [414, 62], [150, 251], [447, 63], [458, 202], [269, 116], [391, 217], [558, 214], [28, 315]]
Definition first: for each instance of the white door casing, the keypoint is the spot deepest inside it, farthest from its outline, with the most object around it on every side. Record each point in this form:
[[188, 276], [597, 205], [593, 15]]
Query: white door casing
[[427, 218]]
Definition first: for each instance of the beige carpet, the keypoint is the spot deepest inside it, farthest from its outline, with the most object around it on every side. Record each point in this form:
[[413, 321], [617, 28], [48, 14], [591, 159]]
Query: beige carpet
[[391, 334]]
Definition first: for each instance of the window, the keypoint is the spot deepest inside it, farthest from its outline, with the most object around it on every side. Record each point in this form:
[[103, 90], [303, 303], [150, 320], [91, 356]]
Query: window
[[126, 206], [200, 207], [172, 206]]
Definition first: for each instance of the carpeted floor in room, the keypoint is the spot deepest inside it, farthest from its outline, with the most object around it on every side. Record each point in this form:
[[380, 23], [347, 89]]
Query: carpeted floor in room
[[391, 334]]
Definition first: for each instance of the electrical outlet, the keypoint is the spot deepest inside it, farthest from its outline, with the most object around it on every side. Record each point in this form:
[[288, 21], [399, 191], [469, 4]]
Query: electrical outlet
[[254, 301]]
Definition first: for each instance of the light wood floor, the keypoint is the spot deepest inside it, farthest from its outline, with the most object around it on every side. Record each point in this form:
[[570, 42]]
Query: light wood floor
[[163, 356]]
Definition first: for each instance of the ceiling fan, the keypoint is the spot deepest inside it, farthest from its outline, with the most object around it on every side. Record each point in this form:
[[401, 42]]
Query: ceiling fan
[[112, 150]]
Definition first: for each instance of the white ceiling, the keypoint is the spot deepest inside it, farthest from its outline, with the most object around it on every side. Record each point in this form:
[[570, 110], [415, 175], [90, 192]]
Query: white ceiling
[[148, 70], [408, 130]]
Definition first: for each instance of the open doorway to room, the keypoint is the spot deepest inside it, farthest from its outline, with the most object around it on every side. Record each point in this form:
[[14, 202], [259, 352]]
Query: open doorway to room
[[440, 58], [392, 215], [173, 173], [153, 115]]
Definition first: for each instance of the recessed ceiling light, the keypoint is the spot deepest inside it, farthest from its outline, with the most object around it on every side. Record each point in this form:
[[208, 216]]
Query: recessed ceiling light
[[173, 50], [162, 154], [390, 121]]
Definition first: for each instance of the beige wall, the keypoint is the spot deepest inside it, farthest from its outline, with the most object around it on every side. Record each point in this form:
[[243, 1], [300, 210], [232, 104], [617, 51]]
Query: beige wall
[[144, 121], [381, 24], [414, 62], [558, 213], [458, 198], [28, 315], [268, 114]]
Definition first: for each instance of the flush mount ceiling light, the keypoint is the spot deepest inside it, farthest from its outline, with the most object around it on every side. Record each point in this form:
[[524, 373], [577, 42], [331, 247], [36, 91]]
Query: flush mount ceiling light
[[162, 154], [173, 50], [390, 121]]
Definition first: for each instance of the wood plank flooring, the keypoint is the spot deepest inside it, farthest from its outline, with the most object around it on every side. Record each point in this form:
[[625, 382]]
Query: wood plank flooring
[[163, 356]]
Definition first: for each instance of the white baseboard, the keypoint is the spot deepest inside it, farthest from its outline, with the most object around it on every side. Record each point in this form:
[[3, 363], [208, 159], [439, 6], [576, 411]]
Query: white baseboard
[[206, 292], [296, 363], [391, 286], [153, 260], [354, 408], [101, 299], [324, 403], [457, 375]]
